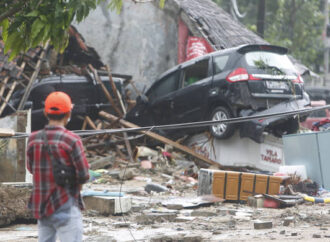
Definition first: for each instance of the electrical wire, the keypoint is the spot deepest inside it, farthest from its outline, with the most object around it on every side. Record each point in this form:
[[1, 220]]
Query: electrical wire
[[120, 205], [147, 129], [186, 125]]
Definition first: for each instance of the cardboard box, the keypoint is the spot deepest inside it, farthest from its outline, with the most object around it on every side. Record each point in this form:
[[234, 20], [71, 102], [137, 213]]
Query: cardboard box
[[232, 185]]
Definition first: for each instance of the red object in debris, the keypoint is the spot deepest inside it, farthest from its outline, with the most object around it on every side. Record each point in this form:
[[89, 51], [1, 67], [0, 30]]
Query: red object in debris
[[316, 119], [167, 154], [145, 164], [183, 33], [188, 179], [196, 47], [269, 203]]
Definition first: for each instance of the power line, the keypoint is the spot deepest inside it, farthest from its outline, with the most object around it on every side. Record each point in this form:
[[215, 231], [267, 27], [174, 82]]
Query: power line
[[185, 125]]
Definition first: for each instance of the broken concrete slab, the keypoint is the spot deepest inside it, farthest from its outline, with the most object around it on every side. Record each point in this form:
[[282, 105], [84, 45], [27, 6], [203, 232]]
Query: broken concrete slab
[[287, 221], [201, 213], [153, 187], [13, 151], [102, 162], [127, 174], [108, 205], [184, 219], [150, 218], [190, 202], [13, 202], [256, 201], [263, 225]]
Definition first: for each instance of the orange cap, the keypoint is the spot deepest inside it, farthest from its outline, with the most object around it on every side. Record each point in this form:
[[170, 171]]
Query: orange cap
[[58, 103]]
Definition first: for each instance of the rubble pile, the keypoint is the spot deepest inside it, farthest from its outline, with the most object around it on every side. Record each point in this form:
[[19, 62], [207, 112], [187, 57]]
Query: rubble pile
[[13, 200]]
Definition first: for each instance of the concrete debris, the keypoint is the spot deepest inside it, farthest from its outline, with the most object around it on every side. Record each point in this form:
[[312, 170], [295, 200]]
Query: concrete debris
[[127, 174], [203, 213], [177, 238], [103, 162], [256, 201], [108, 205], [13, 204], [263, 225], [150, 218], [152, 187], [184, 219], [287, 221]]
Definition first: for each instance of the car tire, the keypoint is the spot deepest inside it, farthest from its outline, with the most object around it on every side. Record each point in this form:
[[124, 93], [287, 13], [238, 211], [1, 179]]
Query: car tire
[[221, 131]]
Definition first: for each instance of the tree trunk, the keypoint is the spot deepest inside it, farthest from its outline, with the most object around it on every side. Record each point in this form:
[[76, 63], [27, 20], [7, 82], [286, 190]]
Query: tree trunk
[[292, 21], [261, 17]]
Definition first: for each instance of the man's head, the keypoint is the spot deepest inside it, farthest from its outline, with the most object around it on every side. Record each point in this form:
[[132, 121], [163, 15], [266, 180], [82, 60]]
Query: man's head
[[58, 107]]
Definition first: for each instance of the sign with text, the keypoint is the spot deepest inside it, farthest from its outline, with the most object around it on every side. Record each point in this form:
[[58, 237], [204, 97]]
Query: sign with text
[[271, 154]]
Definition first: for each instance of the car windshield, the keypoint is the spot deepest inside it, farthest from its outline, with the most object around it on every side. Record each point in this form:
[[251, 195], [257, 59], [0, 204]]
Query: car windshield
[[265, 60]]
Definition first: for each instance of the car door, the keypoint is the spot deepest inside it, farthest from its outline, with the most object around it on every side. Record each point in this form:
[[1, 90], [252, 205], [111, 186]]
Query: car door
[[189, 103], [161, 96]]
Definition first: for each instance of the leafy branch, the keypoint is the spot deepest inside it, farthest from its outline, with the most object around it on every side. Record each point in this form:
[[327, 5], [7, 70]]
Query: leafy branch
[[27, 23]]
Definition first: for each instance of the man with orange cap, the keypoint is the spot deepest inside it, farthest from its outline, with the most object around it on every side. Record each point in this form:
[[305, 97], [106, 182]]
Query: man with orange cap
[[57, 207]]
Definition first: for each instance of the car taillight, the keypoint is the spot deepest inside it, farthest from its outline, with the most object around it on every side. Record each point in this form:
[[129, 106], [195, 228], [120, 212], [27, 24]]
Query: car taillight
[[240, 74], [299, 79]]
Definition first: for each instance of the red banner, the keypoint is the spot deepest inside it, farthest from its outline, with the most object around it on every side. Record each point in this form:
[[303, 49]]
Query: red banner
[[196, 47]]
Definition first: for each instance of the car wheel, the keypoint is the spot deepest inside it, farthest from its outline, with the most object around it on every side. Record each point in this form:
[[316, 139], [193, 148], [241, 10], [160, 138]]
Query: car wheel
[[222, 130]]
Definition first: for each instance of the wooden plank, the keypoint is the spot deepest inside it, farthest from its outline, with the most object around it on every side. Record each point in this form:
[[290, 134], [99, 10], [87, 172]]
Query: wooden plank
[[84, 124], [162, 139], [33, 78], [3, 85], [105, 90], [6, 132], [11, 90], [120, 101], [90, 122], [113, 85]]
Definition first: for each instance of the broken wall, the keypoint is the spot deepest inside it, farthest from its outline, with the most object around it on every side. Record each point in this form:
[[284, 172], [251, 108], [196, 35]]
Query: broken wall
[[12, 151], [140, 41]]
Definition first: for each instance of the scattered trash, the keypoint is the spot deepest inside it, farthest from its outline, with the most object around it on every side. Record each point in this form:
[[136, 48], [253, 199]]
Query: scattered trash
[[263, 225], [87, 193], [153, 187]]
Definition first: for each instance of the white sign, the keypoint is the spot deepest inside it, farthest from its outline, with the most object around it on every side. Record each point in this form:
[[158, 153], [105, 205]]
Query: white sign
[[271, 154]]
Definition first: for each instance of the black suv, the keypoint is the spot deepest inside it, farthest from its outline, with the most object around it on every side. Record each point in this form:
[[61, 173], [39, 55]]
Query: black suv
[[241, 81], [86, 94]]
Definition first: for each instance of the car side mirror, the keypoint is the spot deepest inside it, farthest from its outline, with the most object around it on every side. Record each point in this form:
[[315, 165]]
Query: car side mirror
[[28, 105]]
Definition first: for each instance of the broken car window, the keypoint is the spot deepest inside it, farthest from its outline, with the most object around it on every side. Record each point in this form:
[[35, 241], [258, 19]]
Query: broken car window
[[165, 86], [263, 59], [220, 63], [196, 72]]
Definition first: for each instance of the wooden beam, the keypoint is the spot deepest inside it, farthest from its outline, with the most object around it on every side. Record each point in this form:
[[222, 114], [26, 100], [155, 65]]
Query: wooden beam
[[120, 101], [162, 139], [90, 123], [105, 90], [113, 85], [11, 90], [33, 77], [6, 132]]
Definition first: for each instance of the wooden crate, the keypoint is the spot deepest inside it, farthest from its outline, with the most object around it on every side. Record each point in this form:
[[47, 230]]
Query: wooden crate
[[236, 186]]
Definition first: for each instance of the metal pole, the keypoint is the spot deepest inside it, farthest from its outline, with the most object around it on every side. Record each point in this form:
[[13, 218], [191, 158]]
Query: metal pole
[[326, 53]]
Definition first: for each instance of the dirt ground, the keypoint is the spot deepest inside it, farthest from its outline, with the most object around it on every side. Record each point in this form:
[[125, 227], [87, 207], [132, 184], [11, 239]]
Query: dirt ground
[[149, 220]]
